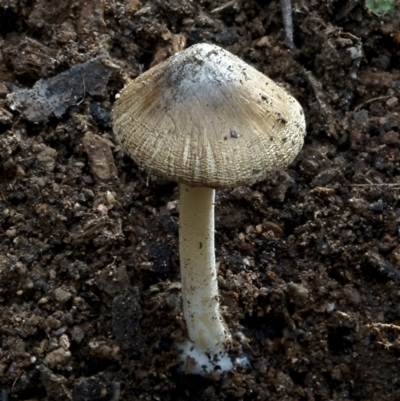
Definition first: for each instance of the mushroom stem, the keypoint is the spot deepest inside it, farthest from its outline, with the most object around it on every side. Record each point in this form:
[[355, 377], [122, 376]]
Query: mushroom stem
[[201, 308]]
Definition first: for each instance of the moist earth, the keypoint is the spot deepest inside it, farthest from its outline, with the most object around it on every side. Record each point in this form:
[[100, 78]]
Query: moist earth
[[309, 260]]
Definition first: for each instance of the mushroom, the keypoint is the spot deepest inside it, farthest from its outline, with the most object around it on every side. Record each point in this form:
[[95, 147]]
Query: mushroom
[[208, 120]]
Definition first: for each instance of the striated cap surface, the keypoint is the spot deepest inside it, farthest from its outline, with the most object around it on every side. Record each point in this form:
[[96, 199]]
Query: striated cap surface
[[206, 118]]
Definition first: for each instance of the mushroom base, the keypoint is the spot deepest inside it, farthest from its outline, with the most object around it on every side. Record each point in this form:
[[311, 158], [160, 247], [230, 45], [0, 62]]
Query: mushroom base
[[197, 361]]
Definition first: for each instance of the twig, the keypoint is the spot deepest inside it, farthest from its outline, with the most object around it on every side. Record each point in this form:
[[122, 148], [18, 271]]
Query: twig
[[15, 381], [230, 4], [384, 184], [286, 7], [384, 325], [354, 111], [369, 101], [84, 91], [375, 328], [380, 267]]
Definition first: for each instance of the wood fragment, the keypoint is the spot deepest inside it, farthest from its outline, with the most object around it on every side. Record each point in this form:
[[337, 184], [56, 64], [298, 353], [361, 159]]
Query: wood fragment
[[286, 7], [382, 267], [226, 6]]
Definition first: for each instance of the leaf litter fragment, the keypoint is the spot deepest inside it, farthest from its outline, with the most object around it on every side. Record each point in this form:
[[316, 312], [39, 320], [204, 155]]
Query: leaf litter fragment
[[55, 95]]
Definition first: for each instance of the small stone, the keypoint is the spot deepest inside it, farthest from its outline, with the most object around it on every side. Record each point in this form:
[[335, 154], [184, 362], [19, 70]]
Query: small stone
[[97, 388], [283, 383], [361, 117], [395, 257], [271, 226], [56, 385], [66, 33], [355, 52], [64, 342], [5, 116], [47, 158], [104, 349], [263, 42], [376, 207], [391, 138], [325, 177], [68, 319], [43, 301], [60, 331], [77, 334], [392, 102], [3, 90], [241, 237], [249, 229], [382, 62], [172, 205], [298, 294], [336, 373], [52, 323], [61, 295], [132, 6], [11, 232], [87, 179], [58, 357], [112, 280], [352, 295], [100, 115], [99, 151], [102, 209], [358, 204], [110, 198]]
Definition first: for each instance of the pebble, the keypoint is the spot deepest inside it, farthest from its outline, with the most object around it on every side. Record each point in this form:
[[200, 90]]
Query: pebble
[[77, 334], [263, 42], [11, 232], [298, 294], [3, 90], [60, 331], [283, 383], [361, 117], [47, 158], [391, 138], [64, 342], [392, 102], [43, 301], [275, 228], [58, 357], [172, 205], [110, 198], [61, 295], [382, 62], [376, 207]]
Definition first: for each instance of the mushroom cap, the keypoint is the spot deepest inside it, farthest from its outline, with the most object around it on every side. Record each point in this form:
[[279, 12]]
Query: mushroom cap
[[206, 118]]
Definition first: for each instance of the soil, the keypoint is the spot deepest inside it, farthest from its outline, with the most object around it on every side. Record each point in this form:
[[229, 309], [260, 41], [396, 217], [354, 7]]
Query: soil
[[309, 260]]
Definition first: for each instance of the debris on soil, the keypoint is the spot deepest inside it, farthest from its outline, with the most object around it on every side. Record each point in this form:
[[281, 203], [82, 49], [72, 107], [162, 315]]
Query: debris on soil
[[53, 96], [100, 156]]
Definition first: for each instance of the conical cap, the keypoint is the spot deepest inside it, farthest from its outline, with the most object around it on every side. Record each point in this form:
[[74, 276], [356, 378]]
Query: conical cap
[[206, 118]]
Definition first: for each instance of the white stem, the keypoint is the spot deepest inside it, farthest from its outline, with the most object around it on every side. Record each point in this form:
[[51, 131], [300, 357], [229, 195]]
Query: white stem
[[201, 308]]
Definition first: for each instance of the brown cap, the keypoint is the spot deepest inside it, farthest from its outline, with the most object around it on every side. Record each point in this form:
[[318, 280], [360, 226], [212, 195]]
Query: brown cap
[[206, 118]]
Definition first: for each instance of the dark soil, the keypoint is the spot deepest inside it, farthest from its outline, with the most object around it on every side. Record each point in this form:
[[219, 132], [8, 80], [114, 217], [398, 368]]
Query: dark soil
[[309, 262]]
